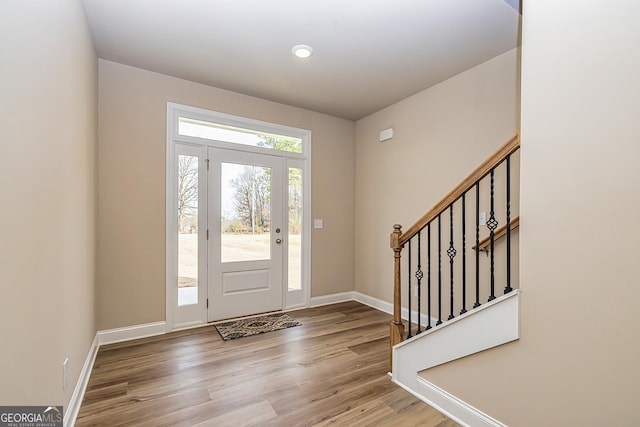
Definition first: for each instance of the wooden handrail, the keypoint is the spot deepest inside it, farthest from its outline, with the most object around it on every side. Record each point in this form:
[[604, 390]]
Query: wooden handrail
[[484, 243], [480, 172], [399, 239]]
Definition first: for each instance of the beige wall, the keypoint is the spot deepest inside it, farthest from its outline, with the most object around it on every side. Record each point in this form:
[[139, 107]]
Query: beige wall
[[48, 87], [577, 360], [131, 188], [441, 135]]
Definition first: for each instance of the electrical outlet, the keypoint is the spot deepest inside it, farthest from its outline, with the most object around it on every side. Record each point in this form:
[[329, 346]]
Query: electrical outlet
[[415, 291], [482, 219], [65, 373]]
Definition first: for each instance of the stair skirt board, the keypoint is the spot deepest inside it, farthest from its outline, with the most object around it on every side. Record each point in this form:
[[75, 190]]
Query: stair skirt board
[[454, 408], [488, 326]]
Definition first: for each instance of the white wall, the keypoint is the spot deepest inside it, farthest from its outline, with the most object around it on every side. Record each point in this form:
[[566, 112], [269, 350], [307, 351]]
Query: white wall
[[48, 117]]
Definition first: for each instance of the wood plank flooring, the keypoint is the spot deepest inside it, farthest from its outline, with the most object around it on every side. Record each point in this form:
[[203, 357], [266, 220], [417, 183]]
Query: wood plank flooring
[[332, 370]]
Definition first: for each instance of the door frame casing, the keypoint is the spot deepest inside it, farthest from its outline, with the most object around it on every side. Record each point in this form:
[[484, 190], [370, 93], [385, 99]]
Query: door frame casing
[[297, 160]]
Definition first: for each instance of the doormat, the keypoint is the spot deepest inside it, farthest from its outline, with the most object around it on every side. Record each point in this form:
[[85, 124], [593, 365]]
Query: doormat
[[255, 325]]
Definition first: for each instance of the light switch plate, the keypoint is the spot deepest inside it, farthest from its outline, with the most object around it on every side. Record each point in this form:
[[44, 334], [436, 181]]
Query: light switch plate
[[482, 219], [317, 223]]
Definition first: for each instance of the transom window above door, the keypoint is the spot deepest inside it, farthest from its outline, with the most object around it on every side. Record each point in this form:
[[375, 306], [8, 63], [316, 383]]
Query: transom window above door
[[226, 133]]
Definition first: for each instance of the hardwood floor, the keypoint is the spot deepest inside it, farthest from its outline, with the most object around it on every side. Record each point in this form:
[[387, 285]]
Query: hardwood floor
[[331, 370]]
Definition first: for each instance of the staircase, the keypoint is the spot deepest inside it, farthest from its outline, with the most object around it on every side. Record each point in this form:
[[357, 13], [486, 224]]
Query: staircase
[[461, 280]]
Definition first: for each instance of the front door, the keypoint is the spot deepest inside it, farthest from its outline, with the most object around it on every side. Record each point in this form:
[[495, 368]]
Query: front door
[[246, 238]]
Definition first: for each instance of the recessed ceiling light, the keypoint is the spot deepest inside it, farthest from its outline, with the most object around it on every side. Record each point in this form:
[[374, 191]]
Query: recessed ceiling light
[[302, 51]]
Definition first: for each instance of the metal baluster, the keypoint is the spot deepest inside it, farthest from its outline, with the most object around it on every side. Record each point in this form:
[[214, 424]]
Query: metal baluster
[[451, 252], [464, 258], [492, 224], [409, 292], [508, 288], [439, 272], [428, 277], [477, 303], [419, 276]]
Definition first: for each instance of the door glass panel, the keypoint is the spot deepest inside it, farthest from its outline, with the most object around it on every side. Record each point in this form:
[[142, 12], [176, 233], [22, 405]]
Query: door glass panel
[[187, 230], [245, 213], [295, 229]]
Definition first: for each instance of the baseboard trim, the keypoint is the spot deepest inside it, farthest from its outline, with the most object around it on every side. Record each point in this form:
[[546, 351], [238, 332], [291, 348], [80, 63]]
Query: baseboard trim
[[112, 336], [331, 299], [101, 338], [128, 333], [71, 414], [387, 307], [373, 302], [456, 409]]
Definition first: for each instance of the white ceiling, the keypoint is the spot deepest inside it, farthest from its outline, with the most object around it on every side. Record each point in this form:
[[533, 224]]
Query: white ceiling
[[368, 53]]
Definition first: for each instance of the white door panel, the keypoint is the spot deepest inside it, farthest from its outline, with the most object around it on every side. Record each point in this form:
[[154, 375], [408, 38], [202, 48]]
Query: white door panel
[[246, 239]]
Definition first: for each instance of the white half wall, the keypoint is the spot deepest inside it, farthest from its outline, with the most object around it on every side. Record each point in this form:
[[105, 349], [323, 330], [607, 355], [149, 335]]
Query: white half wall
[[488, 326]]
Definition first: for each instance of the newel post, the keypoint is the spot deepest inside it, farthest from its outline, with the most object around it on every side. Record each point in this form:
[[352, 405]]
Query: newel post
[[396, 327]]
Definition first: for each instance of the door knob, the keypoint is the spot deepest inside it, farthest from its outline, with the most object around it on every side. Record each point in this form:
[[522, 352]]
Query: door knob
[[278, 241]]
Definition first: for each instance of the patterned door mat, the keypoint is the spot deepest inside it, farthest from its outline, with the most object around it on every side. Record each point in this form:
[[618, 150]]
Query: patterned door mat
[[255, 325]]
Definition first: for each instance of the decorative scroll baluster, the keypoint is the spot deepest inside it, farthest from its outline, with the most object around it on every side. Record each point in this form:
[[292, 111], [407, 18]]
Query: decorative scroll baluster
[[464, 259], [451, 252], [409, 292], [477, 303], [492, 224], [439, 322], [419, 276], [508, 288], [428, 277]]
